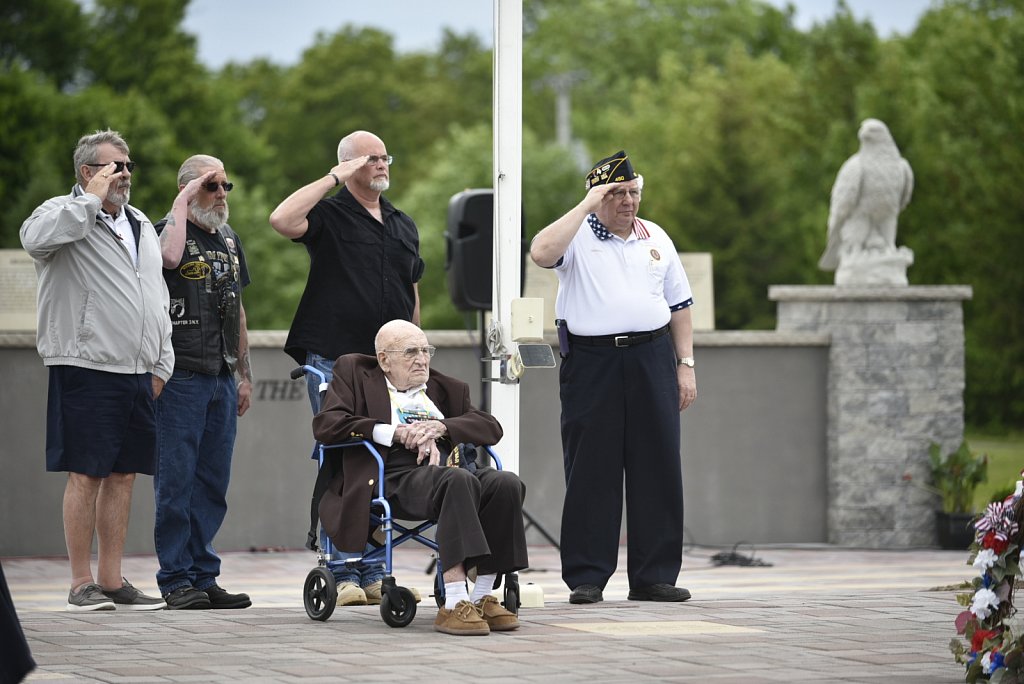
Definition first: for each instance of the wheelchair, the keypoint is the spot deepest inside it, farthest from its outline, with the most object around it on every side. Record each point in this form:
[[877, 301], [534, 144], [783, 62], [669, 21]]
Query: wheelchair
[[398, 605]]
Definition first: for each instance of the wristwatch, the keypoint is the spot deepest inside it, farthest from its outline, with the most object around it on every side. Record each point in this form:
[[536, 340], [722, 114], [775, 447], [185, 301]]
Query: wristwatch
[[685, 361]]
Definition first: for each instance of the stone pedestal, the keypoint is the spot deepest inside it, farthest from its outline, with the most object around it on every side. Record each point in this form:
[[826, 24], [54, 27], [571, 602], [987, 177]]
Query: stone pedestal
[[895, 385], [875, 269]]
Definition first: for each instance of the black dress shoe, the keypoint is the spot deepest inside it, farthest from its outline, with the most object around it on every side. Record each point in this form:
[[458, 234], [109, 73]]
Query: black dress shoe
[[187, 598], [659, 592], [221, 599], [586, 593]]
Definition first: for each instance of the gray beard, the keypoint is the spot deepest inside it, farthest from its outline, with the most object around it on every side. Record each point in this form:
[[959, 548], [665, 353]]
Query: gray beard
[[210, 219], [118, 196], [380, 185]]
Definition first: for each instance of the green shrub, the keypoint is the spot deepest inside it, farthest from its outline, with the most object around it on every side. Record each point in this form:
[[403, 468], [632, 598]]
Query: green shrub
[[955, 476]]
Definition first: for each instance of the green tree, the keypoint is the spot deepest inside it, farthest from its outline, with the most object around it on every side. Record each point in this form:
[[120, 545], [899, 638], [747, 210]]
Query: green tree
[[614, 43], [719, 152], [965, 220], [839, 58], [738, 121], [277, 268], [46, 36], [138, 46], [40, 127], [464, 160], [408, 100]]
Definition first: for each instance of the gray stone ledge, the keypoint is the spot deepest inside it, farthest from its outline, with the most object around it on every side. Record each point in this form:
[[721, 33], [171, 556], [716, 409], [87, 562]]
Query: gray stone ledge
[[761, 338], [267, 339], [18, 339], [274, 339], [832, 293], [471, 338]]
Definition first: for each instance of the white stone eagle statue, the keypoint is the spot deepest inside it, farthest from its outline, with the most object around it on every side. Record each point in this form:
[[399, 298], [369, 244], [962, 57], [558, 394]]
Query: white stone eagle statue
[[871, 189]]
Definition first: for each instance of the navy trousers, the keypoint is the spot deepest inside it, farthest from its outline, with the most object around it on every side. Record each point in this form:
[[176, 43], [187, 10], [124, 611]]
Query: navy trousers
[[620, 419]]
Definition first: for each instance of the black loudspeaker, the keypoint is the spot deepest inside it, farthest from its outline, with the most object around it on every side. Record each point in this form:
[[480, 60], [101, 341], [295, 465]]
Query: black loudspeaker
[[469, 241]]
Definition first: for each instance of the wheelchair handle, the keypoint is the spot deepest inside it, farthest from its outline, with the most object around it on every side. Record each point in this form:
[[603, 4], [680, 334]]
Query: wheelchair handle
[[302, 370]]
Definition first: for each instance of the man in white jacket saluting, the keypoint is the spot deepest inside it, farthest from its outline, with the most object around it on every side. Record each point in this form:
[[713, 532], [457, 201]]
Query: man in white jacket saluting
[[104, 334]]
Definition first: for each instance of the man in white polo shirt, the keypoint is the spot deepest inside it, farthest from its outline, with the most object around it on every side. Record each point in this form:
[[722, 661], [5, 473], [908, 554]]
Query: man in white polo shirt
[[627, 370]]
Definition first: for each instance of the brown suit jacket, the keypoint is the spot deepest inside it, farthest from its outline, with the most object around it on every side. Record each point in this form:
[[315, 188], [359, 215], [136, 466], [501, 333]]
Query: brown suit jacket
[[356, 400]]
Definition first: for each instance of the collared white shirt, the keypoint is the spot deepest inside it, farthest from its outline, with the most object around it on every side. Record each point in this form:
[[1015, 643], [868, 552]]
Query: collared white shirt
[[412, 401], [122, 228], [608, 285]]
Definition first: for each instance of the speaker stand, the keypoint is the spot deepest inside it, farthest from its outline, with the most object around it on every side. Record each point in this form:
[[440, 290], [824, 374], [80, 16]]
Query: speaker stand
[[485, 405], [485, 366], [532, 522]]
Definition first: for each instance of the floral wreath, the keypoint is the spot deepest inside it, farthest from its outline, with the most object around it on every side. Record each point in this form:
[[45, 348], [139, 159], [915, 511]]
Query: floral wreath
[[993, 651]]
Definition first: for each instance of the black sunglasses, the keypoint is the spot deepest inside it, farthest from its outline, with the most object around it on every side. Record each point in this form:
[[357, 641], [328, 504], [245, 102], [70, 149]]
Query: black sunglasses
[[213, 185], [119, 166]]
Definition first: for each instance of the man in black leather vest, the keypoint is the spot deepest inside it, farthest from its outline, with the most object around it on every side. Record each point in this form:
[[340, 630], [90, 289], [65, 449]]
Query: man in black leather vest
[[197, 414]]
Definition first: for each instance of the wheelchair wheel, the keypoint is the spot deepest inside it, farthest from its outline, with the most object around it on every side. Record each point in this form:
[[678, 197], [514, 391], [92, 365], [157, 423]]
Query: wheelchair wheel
[[512, 602], [319, 594], [392, 614]]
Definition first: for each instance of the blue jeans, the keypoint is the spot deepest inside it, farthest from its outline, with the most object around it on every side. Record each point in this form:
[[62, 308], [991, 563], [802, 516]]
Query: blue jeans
[[196, 416], [362, 574]]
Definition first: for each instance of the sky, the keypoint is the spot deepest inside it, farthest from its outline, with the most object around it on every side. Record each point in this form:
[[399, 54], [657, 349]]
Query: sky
[[281, 29]]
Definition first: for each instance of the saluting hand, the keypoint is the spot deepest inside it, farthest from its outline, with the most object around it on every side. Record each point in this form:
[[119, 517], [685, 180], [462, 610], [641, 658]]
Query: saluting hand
[[598, 195], [344, 170], [101, 181], [191, 188]]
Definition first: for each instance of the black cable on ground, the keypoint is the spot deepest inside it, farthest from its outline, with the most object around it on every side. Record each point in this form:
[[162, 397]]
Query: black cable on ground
[[732, 557], [735, 558]]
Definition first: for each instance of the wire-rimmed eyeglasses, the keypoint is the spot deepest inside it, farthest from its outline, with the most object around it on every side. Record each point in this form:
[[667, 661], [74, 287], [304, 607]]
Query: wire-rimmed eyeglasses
[[413, 352]]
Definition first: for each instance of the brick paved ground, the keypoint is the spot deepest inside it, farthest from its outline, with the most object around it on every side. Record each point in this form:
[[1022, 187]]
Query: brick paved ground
[[816, 615]]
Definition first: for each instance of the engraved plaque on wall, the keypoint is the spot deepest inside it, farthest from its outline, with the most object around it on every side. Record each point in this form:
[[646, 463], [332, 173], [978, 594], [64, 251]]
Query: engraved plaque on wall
[[17, 291], [698, 271]]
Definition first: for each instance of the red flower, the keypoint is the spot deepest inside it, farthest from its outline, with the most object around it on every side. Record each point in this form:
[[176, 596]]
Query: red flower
[[991, 541], [979, 637]]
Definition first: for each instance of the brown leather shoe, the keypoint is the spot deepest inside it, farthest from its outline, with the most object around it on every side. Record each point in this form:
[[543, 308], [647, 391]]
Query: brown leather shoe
[[373, 593], [498, 619], [462, 620], [349, 594]]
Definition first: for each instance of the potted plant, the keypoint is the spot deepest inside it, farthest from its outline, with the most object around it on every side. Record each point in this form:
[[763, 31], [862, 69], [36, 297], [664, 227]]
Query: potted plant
[[955, 476]]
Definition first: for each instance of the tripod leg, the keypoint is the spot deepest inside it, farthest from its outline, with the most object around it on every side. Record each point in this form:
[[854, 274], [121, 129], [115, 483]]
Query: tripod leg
[[532, 522]]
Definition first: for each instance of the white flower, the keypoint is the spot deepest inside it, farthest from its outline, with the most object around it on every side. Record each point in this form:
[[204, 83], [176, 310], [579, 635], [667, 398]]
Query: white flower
[[984, 601], [985, 559], [986, 663]]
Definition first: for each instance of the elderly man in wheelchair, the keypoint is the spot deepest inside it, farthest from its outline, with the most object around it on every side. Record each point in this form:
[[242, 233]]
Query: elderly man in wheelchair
[[417, 415]]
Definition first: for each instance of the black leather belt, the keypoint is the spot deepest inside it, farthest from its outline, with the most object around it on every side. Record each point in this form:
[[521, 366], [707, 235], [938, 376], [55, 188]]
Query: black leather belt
[[624, 340]]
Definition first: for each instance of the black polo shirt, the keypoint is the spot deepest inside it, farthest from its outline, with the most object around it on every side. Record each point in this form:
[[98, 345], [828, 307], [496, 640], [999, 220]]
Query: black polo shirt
[[361, 275]]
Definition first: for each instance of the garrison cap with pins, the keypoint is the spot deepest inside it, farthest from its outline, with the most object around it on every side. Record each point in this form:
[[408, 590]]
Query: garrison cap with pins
[[613, 169]]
